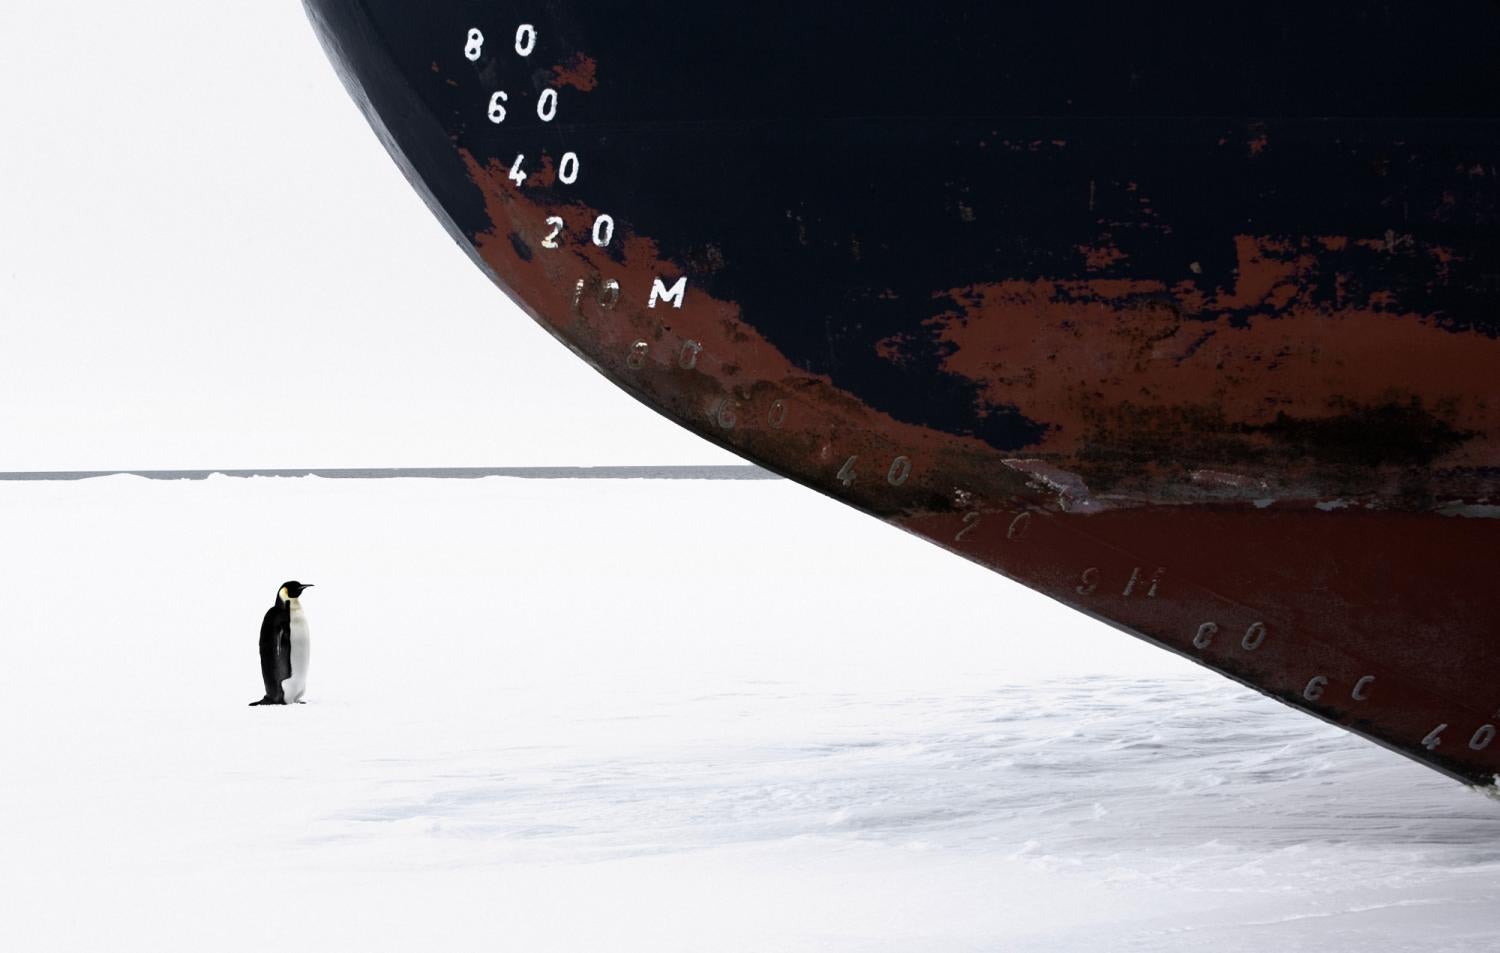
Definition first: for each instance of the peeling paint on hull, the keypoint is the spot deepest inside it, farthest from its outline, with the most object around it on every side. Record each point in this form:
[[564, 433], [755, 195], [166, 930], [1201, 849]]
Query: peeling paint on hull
[[1226, 382]]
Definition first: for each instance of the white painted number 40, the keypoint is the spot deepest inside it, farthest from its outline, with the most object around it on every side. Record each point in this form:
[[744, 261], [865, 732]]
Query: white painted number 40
[[567, 170]]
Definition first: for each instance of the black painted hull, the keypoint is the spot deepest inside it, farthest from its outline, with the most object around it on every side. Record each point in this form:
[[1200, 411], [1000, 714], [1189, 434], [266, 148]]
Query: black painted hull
[[1192, 323]]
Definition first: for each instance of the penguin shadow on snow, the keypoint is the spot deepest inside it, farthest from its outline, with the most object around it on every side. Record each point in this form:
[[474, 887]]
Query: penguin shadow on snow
[[285, 647]]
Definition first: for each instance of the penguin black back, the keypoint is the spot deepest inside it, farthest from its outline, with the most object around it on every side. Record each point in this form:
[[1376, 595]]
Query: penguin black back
[[276, 644]]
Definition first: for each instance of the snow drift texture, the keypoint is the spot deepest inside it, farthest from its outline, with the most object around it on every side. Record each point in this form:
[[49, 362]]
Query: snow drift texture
[[571, 715]]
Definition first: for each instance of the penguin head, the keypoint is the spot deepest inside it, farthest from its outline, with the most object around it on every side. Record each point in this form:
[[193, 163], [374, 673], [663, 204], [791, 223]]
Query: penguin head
[[291, 590]]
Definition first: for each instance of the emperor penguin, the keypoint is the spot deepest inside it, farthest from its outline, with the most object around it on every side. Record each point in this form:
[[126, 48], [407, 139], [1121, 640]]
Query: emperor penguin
[[285, 647]]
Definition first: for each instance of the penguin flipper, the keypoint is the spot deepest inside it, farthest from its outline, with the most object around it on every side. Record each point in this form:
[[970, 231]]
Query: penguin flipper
[[275, 653], [284, 656]]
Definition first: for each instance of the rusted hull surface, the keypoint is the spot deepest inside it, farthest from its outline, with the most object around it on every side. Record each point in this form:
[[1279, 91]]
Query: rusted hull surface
[[1224, 381]]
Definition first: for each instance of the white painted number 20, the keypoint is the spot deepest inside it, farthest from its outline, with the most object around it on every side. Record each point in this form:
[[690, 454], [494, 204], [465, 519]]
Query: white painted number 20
[[557, 226], [604, 231]]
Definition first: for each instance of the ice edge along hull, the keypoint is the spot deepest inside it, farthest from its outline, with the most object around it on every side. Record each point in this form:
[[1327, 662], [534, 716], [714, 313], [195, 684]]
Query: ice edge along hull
[[1267, 448]]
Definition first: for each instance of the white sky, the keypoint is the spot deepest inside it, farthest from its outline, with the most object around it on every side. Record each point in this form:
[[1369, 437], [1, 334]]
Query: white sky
[[207, 260]]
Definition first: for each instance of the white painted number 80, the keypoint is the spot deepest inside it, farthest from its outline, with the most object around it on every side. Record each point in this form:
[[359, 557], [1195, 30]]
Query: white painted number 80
[[475, 46], [525, 39]]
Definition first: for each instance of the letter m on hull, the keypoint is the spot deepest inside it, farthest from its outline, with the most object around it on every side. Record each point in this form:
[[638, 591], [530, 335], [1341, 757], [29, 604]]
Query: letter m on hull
[[674, 294]]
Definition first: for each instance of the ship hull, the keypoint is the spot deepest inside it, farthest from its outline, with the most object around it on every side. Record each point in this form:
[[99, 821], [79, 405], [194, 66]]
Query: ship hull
[[1192, 325]]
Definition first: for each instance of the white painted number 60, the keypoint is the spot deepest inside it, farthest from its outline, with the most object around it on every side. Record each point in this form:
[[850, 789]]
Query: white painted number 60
[[546, 105], [497, 108]]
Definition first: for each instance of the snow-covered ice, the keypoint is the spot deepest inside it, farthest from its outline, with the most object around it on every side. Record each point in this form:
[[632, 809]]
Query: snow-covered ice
[[650, 715]]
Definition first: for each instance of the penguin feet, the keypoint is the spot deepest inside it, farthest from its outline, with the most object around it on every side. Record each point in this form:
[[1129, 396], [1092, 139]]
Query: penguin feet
[[266, 701]]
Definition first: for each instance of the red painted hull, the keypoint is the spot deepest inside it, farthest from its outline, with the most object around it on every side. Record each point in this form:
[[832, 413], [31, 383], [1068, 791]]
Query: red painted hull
[[1272, 448]]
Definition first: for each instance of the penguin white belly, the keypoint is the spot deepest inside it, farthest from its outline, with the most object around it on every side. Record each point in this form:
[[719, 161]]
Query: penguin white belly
[[293, 688]]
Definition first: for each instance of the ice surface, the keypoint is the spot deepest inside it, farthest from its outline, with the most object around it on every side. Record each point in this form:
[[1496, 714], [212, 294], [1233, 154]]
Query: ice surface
[[650, 715]]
